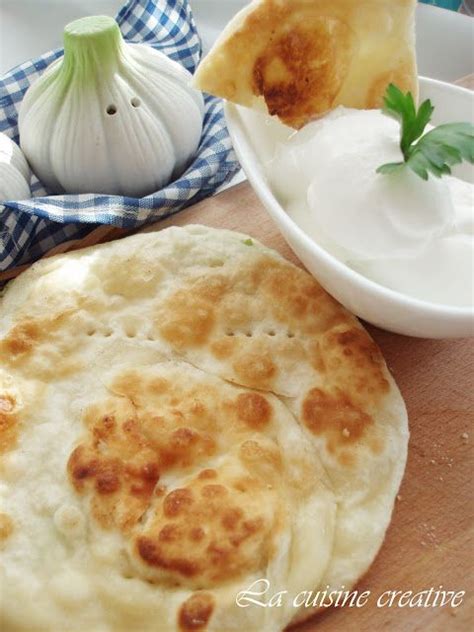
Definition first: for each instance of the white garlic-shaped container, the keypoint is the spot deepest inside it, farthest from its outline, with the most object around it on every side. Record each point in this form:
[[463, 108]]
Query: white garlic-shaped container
[[14, 171], [110, 117]]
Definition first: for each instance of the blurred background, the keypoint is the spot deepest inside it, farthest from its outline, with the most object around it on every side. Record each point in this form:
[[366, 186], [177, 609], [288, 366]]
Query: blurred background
[[445, 38], [465, 6]]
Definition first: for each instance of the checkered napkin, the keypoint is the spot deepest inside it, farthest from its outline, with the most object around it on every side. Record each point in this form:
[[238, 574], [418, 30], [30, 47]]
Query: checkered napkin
[[29, 228]]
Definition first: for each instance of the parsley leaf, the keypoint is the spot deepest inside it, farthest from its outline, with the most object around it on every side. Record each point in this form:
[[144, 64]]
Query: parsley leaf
[[434, 152]]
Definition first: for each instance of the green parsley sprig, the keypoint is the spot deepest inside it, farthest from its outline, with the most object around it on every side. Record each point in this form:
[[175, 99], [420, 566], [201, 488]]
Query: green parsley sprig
[[434, 152]]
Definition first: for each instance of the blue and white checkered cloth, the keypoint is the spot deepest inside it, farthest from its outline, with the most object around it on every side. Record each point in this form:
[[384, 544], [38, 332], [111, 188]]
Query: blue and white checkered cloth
[[29, 228]]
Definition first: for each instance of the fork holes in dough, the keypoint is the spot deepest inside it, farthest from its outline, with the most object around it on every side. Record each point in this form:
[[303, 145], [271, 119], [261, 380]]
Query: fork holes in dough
[[91, 331], [135, 102], [290, 334], [111, 109], [271, 332]]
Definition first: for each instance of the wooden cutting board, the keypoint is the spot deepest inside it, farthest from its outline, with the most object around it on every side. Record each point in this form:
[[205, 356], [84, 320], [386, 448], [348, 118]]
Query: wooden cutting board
[[430, 542]]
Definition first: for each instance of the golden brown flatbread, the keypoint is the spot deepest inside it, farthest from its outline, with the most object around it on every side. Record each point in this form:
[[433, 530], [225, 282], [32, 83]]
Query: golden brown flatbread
[[301, 58], [184, 413]]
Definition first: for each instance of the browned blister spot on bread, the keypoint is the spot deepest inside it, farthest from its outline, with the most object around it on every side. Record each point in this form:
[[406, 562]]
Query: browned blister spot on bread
[[212, 287], [25, 336], [255, 369], [43, 347], [195, 612], [253, 409], [208, 532], [223, 348], [6, 528], [334, 416], [22, 338], [8, 423], [121, 490], [208, 473], [297, 299], [302, 68], [185, 319], [237, 309], [291, 290], [355, 364], [177, 502]]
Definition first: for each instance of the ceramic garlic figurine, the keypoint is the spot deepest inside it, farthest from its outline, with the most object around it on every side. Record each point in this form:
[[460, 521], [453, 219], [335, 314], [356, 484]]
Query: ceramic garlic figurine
[[110, 117], [14, 171]]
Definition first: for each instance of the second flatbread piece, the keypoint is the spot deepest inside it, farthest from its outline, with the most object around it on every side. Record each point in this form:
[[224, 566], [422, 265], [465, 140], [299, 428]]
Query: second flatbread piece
[[302, 58]]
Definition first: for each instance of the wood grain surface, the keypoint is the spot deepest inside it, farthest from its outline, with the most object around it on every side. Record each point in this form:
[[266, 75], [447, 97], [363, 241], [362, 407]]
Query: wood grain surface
[[430, 542]]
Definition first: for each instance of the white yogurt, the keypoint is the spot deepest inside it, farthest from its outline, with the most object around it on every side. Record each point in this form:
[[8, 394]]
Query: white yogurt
[[408, 234]]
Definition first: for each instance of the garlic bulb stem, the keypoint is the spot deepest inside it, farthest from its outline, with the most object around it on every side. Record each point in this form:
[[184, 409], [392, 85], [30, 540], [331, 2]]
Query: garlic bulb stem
[[110, 116], [93, 46]]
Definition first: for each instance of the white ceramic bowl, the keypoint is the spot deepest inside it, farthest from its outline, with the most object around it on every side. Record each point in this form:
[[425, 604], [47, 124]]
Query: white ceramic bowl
[[254, 136]]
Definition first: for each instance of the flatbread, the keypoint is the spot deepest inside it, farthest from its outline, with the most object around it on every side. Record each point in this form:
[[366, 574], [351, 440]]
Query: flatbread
[[182, 414], [302, 58]]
